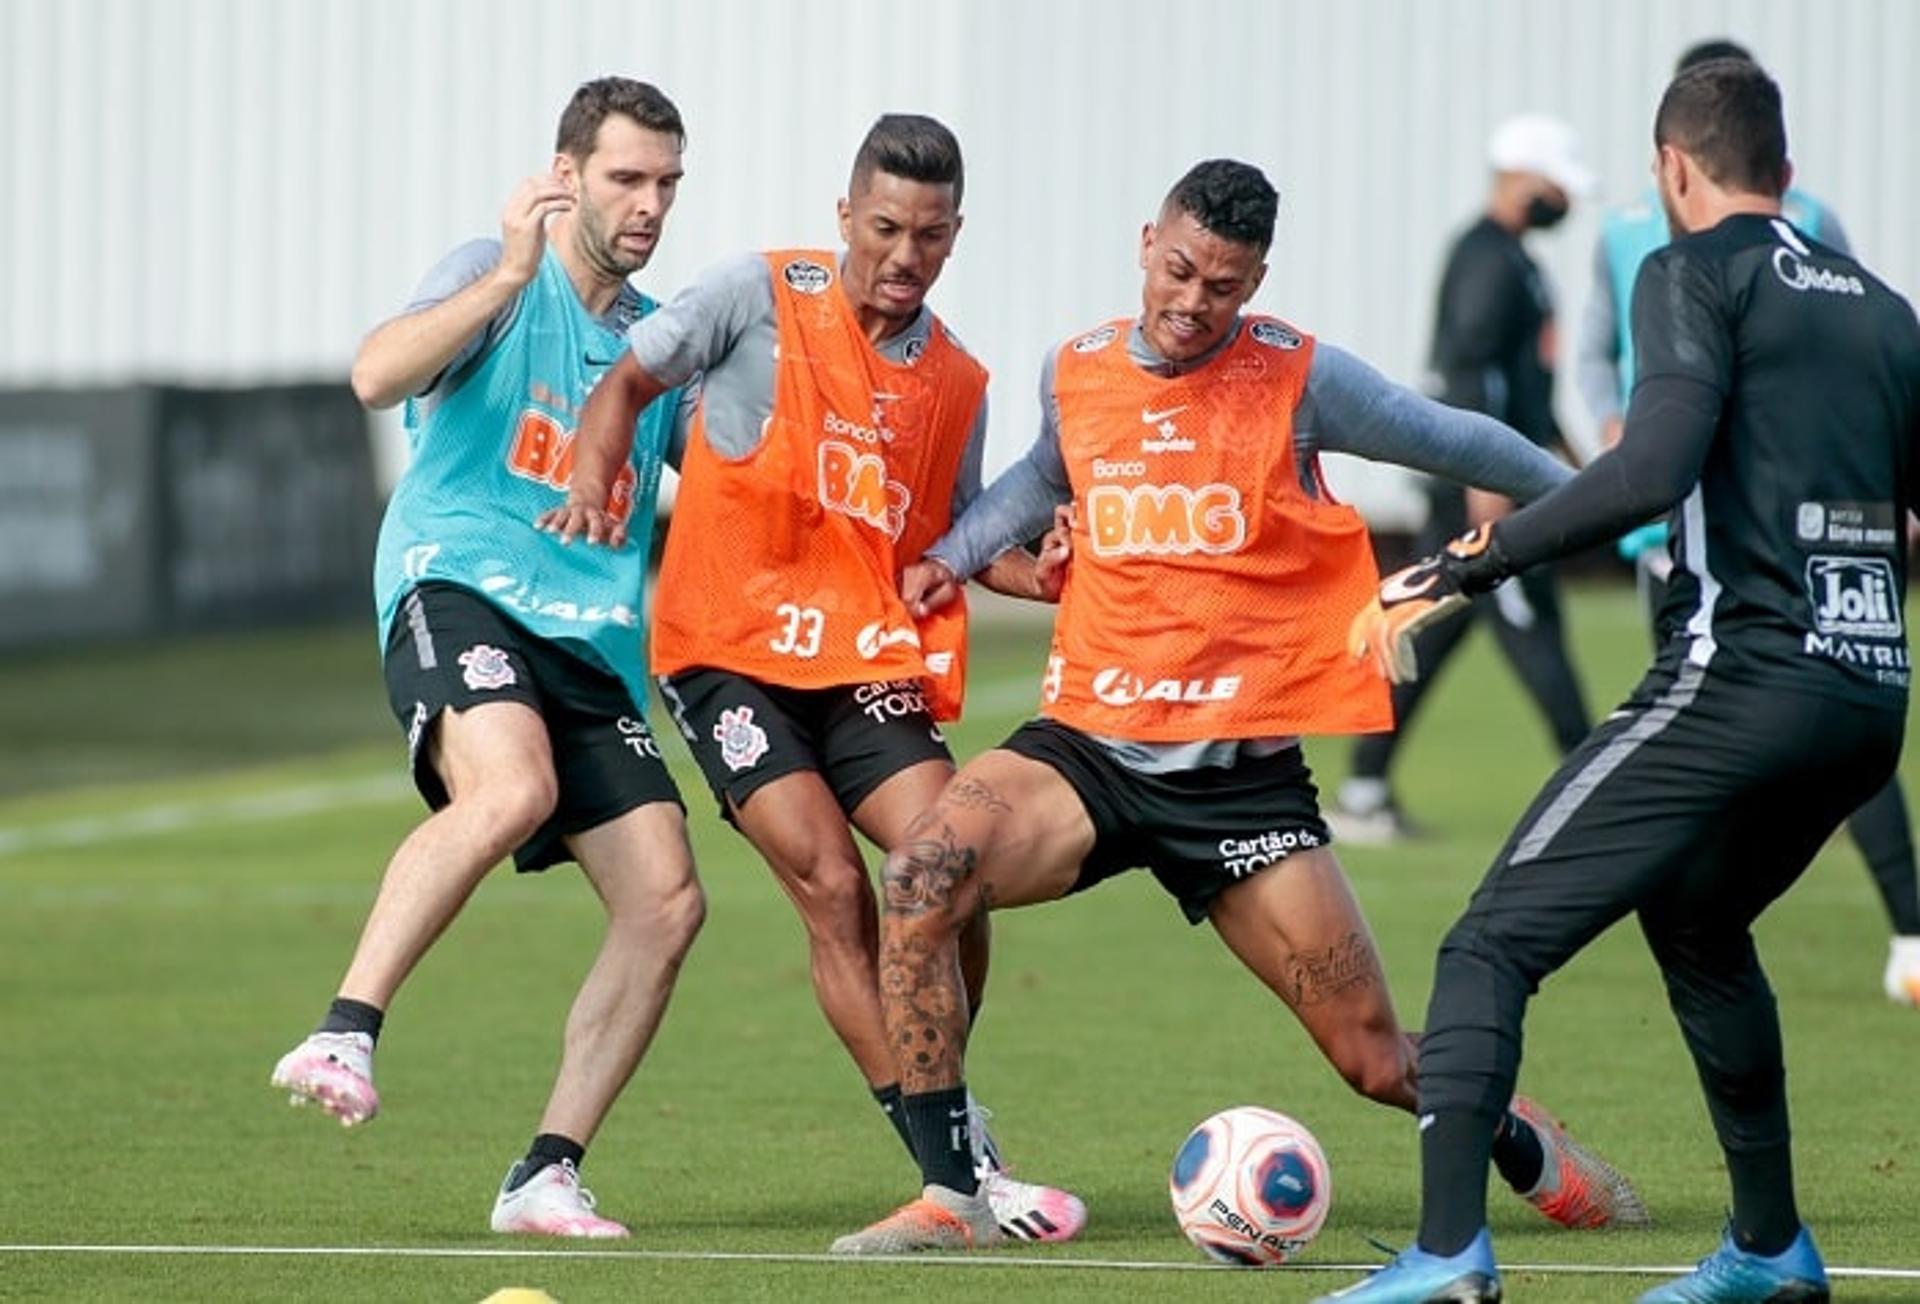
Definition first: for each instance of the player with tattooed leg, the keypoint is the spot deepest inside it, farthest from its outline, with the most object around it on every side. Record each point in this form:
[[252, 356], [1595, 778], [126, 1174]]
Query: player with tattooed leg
[[1200, 633]]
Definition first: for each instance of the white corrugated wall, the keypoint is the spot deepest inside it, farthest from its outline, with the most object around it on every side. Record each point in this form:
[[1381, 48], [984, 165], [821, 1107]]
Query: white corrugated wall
[[234, 190]]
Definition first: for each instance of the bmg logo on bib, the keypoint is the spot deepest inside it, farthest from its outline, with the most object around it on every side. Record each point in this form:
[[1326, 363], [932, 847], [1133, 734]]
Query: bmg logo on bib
[[1855, 596]]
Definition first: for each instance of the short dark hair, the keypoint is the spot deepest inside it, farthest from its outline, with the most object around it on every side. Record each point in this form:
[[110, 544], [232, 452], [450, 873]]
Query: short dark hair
[[603, 97], [1726, 114], [1233, 200], [1718, 47], [913, 146]]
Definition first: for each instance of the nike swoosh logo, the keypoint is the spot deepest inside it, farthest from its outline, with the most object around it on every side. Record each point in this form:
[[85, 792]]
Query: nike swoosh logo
[[1396, 589], [1148, 417], [956, 1114], [592, 361]]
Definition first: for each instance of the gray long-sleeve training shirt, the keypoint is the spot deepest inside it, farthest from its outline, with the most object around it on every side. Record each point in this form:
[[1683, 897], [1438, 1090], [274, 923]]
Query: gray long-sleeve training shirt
[[1348, 407]]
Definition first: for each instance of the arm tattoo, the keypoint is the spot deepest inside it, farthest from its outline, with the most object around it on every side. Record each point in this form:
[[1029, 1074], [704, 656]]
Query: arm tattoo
[[1320, 976]]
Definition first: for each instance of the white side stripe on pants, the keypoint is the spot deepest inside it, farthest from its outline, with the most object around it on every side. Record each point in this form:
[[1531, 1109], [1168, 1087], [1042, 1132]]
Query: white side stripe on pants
[[1581, 786]]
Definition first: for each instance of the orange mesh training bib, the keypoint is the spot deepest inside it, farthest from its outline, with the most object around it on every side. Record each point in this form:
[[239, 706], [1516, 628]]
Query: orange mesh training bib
[[1209, 594], [784, 565]]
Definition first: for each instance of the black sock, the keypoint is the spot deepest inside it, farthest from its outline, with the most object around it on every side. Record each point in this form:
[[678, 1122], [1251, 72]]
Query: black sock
[[547, 1149], [888, 1098], [942, 1137], [346, 1015], [1765, 1218], [1518, 1154], [1454, 1148]]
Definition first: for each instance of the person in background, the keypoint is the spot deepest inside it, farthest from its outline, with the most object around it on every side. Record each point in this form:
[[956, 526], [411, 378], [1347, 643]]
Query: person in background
[[1493, 352]]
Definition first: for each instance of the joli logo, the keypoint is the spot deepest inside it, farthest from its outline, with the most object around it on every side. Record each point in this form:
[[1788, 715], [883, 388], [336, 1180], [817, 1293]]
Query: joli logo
[[1853, 596]]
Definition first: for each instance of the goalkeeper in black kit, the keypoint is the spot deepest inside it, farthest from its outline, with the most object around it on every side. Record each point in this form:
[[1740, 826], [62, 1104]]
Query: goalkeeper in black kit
[[1775, 417]]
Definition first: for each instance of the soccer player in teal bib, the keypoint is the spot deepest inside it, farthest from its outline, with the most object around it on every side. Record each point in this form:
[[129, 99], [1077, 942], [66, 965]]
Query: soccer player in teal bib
[[516, 665]]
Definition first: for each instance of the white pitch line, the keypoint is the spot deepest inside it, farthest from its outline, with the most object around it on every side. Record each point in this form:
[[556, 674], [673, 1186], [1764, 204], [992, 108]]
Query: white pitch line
[[172, 817], [988, 1260]]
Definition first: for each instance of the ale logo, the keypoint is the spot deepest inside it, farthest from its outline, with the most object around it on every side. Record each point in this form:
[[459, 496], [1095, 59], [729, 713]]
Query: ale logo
[[1116, 686]]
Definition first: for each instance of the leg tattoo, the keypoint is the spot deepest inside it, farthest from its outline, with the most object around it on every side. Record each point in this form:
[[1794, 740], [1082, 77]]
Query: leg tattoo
[[972, 794], [921, 993], [1318, 976]]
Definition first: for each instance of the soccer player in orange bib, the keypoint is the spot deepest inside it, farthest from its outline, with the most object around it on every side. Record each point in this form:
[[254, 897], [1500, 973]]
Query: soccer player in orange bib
[[1201, 631], [836, 430]]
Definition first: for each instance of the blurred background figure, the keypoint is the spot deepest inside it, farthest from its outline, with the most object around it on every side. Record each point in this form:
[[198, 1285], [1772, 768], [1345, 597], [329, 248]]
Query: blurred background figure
[[1881, 828], [1493, 351]]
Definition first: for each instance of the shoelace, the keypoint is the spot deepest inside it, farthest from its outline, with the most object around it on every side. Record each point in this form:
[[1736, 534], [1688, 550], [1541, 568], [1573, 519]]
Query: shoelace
[[571, 1176], [1720, 1264], [989, 1153]]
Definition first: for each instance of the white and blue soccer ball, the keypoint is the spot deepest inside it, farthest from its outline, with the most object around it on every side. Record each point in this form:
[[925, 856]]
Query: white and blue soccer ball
[[1250, 1186]]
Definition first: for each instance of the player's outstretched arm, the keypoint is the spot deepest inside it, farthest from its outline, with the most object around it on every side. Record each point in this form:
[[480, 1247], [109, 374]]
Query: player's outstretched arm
[[1416, 596], [400, 357], [1670, 428], [930, 583], [1037, 576], [1056, 550], [601, 446], [1022, 502], [1354, 409]]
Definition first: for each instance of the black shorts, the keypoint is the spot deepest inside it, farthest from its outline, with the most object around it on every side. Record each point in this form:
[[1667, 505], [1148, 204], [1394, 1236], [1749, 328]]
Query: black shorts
[[1696, 804], [1199, 831], [745, 734], [451, 649]]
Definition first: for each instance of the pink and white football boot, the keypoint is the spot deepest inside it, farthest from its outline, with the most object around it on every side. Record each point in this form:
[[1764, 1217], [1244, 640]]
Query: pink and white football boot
[[1025, 1211], [551, 1203], [333, 1070]]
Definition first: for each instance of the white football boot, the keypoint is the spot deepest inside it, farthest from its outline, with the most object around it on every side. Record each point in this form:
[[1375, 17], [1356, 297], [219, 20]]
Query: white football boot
[[551, 1203], [1903, 971], [1025, 1210], [333, 1070]]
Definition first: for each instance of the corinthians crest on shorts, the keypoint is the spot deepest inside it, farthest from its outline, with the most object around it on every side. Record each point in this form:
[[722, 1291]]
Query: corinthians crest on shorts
[[742, 742], [484, 666]]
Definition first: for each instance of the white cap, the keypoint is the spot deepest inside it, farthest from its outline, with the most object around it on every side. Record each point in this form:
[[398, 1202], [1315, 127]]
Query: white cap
[[1544, 146]]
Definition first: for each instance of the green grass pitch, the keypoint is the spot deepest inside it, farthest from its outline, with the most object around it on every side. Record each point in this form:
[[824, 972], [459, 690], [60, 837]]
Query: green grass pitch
[[190, 834]]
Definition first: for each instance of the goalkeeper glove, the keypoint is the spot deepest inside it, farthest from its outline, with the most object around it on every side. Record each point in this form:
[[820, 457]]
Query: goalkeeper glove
[[1415, 597]]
